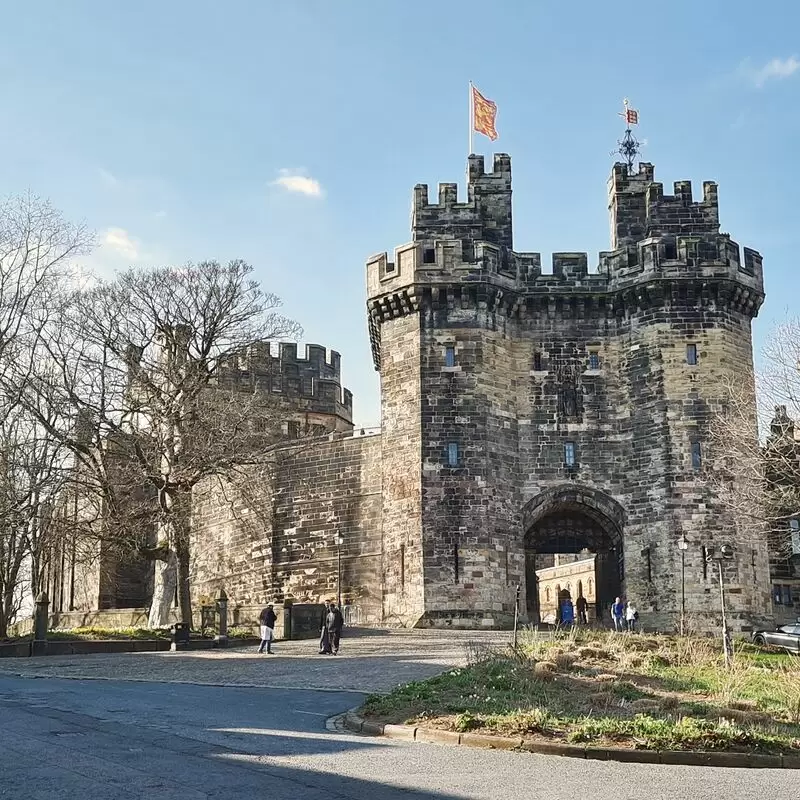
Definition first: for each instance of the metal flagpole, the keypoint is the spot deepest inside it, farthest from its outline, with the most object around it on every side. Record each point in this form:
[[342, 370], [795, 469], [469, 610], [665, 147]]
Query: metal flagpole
[[471, 117]]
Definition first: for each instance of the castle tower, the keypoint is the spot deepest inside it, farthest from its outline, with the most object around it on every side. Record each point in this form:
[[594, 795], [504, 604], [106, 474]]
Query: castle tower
[[529, 414]]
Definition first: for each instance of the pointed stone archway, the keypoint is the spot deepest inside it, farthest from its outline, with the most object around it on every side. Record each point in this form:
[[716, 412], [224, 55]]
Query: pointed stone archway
[[571, 519]]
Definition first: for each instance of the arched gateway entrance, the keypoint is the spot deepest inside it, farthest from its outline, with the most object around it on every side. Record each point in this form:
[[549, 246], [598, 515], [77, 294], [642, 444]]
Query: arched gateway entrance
[[573, 540]]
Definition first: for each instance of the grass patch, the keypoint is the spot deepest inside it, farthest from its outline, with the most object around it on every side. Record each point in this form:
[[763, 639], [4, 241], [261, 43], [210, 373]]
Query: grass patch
[[643, 691], [95, 632]]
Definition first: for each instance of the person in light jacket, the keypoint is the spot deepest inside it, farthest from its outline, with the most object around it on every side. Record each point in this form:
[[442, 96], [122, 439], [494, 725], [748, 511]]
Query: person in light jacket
[[631, 616], [267, 620]]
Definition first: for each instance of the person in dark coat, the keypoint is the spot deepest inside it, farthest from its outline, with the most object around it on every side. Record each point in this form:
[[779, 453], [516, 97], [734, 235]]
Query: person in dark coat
[[324, 635], [267, 620], [334, 622], [582, 606]]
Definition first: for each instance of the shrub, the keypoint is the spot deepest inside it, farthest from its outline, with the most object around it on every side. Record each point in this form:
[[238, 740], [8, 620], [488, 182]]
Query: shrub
[[544, 670], [466, 722], [564, 660], [670, 703]]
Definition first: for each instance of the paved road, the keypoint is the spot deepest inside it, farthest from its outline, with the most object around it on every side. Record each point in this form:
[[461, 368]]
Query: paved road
[[96, 740], [369, 661]]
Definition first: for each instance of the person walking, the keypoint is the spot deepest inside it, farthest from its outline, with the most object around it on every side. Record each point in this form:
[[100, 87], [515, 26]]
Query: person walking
[[567, 612], [631, 616], [324, 636], [267, 620], [582, 605], [618, 615], [334, 623]]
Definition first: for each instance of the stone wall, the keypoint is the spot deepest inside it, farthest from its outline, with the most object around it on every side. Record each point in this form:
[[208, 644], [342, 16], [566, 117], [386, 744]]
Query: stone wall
[[271, 534]]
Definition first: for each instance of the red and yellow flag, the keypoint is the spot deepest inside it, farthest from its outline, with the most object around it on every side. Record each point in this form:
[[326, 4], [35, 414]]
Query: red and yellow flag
[[484, 113]]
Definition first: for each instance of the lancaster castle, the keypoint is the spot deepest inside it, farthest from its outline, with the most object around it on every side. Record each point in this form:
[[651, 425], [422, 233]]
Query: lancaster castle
[[524, 415]]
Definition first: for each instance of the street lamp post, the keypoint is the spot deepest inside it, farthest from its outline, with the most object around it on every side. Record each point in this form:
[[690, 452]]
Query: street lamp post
[[339, 543], [725, 554], [683, 546]]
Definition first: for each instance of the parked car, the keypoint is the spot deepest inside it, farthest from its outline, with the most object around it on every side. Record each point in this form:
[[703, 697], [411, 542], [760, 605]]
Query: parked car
[[784, 636]]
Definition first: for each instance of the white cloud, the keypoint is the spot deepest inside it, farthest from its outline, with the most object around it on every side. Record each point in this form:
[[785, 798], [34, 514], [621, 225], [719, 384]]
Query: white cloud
[[776, 69], [119, 240], [294, 181]]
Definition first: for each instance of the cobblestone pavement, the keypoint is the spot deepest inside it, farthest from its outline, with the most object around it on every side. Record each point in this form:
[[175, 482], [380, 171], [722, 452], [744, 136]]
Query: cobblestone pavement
[[369, 661]]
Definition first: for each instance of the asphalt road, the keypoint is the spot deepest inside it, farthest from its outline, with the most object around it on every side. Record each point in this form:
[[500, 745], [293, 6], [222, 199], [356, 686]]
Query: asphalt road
[[107, 739]]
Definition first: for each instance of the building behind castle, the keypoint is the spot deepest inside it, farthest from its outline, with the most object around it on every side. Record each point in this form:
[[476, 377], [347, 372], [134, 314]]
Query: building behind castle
[[525, 416]]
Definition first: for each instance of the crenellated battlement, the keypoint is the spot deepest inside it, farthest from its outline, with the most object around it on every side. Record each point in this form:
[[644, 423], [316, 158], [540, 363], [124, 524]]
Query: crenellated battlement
[[639, 208], [316, 360], [653, 235], [312, 378], [484, 216], [655, 258]]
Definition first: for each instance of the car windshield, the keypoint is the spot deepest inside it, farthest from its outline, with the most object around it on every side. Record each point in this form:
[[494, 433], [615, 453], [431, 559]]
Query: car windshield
[[790, 629]]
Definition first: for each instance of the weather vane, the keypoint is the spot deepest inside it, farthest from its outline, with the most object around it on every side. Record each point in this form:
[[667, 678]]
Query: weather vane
[[629, 145]]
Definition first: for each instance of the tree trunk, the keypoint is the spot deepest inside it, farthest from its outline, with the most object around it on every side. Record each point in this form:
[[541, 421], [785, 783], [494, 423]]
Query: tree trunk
[[184, 587], [166, 579], [5, 617]]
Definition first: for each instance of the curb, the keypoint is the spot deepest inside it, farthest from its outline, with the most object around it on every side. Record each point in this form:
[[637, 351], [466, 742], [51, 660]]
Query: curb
[[695, 758]]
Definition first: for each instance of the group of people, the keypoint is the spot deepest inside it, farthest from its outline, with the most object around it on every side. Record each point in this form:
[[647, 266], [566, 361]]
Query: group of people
[[567, 610], [331, 624], [624, 615]]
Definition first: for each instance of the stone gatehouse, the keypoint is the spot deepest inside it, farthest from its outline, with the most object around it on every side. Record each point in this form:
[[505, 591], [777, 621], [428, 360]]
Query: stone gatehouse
[[524, 414]]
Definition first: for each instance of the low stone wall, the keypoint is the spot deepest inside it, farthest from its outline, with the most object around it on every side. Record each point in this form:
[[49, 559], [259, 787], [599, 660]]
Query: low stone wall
[[15, 650], [112, 618], [304, 625], [305, 620]]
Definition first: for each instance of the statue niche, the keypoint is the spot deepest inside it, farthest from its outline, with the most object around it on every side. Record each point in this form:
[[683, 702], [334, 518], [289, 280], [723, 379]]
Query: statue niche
[[570, 395]]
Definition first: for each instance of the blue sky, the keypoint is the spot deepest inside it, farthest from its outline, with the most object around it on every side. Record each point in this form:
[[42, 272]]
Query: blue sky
[[291, 133]]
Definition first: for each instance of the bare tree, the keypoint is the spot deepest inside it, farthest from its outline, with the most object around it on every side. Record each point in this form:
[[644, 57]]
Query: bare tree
[[157, 360], [37, 247], [754, 454], [34, 468]]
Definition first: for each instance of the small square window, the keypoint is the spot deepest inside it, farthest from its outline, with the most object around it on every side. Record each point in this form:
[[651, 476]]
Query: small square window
[[691, 354], [450, 356], [787, 594], [594, 359], [537, 361], [429, 256], [293, 430], [697, 458], [452, 454], [670, 251], [569, 454], [390, 266]]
